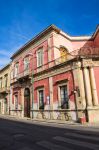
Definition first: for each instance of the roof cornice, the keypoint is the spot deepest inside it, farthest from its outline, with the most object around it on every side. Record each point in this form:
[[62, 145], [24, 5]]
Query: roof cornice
[[37, 37], [5, 67], [57, 30], [96, 31]]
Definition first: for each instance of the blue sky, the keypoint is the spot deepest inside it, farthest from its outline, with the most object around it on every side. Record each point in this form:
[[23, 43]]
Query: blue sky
[[20, 20]]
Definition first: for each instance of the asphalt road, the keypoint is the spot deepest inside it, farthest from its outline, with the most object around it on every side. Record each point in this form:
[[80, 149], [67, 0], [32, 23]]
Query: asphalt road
[[27, 135]]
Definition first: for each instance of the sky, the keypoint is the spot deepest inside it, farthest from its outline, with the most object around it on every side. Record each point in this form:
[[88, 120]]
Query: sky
[[21, 20]]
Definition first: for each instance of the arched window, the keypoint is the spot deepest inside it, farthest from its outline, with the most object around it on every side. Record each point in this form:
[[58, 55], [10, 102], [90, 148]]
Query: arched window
[[63, 53]]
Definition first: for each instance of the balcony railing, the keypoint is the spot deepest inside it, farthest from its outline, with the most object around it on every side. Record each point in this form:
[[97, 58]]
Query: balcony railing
[[85, 51], [26, 72]]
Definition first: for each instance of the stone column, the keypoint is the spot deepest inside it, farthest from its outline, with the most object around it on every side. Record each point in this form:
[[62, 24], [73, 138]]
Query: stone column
[[51, 96], [22, 102], [87, 87], [93, 87], [81, 87]]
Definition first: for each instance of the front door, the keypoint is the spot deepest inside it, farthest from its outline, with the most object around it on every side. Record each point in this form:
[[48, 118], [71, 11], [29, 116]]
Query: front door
[[0, 107], [27, 103], [5, 106]]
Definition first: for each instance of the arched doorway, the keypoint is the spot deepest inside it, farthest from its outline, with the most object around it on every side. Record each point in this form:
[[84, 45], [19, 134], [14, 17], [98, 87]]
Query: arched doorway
[[27, 102], [5, 105]]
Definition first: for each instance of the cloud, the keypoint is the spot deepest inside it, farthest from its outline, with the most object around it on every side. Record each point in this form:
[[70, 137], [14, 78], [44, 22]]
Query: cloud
[[5, 53], [4, 61]]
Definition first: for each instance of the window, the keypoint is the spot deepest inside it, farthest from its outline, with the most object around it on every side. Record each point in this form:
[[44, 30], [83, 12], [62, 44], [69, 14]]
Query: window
[[26, 63], [16, 69], [40, 57], [6, 80], [0, 82], [16, 101], [41, 99], [63, 54], [64, 97], [12, 74]]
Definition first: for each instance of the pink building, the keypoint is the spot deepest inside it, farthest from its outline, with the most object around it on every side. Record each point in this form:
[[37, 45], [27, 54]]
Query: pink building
[[55, 76]]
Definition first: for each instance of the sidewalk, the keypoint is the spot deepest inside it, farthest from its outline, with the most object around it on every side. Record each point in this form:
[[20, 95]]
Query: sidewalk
[[38, 120], [61, 122]]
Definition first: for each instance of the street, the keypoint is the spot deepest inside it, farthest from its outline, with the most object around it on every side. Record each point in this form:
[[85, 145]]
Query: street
[[29, 135]]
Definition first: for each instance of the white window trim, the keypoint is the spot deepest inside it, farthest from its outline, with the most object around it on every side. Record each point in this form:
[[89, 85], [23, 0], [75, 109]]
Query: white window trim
[[16, 72], [40, 49], [38, 95]]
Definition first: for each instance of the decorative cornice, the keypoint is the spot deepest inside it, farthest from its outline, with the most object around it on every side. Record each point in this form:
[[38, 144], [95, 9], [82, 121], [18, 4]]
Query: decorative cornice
[[87, 62], [53, 72]]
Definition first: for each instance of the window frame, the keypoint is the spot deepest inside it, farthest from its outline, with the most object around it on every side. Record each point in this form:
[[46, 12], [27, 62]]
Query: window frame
[[1, 82], [59, 95], [40, 89], [41, 58], [16, 69], [5, 80], [16, 102], [26, 65]]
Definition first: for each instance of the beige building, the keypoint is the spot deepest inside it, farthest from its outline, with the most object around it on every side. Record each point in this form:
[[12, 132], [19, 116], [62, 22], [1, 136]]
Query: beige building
[[5, 89]]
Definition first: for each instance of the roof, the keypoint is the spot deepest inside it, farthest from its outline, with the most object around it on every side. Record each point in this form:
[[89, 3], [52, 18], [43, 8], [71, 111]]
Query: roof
[[5, 67], [56, 29], [96, 31], [37, 37]]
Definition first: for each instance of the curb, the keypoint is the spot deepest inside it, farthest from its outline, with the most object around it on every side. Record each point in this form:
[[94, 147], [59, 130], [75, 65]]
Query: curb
[[49, 121]]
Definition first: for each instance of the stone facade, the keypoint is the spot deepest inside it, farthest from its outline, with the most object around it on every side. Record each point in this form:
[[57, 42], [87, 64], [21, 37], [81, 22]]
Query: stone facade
[[5, 90], [55, 76]]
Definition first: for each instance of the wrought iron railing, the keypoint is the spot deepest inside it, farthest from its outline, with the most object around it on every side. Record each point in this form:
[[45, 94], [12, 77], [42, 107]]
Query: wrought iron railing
[[23, 73], [84, 51]]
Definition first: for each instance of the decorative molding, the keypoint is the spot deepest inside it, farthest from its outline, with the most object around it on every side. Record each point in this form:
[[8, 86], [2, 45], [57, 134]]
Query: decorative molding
[[96, 63], [87, 63], [53, 72]]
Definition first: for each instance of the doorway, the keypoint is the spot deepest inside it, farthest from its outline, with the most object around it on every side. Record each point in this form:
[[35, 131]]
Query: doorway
[[27, 102], [5, 106]]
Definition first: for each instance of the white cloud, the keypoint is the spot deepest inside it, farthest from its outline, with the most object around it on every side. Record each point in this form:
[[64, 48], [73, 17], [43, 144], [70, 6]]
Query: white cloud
[[5, 52], [4, 61]]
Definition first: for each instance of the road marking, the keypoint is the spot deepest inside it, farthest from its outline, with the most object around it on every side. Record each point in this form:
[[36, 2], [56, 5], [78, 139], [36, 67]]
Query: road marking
[[82, 136], [25, 148], [76, 142], [51, 146]]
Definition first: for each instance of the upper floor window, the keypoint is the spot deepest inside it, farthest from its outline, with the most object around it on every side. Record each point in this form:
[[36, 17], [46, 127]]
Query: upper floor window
[[16, 69], [26, 63], [6, 80], [12, 74], [63, 54], [0, 82], [40, 57]]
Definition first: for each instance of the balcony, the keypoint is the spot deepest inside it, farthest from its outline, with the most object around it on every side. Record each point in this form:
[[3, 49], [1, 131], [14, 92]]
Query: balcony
[[27, 73], [24, 74], [85, 52], [55, 62]]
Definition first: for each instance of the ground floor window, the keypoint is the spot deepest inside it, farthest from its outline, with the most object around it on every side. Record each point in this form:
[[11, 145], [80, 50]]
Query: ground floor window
[[16, 101], [64, 97], [41, 99]]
